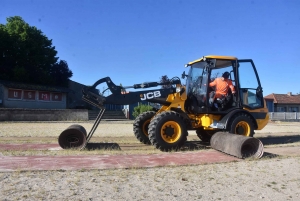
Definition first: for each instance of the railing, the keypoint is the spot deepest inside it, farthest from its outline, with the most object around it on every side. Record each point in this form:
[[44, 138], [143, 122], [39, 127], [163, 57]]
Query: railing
[[284, 115], [126, 113], [113, 107]]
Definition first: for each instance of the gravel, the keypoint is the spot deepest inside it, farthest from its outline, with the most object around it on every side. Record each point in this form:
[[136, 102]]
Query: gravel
[[272, 179], [264, 179]]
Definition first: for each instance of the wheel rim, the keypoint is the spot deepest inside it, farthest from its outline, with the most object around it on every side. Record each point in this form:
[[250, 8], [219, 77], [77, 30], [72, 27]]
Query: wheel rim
[[146, 126], [170, 132], [243, 128]]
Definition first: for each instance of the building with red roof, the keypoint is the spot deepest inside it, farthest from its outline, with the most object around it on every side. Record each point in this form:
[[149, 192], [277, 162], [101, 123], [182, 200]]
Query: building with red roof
[[283, 102]]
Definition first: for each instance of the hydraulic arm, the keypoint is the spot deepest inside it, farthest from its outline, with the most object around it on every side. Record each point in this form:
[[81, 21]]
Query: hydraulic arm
[[120, 96]]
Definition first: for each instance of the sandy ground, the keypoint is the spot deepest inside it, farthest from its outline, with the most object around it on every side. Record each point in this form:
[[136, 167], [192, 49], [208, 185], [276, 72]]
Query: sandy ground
[[109, 128], [264, 179], [272, 179]]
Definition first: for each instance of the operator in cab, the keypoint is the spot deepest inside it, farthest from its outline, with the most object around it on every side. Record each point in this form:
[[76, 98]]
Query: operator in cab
[[222, 86]]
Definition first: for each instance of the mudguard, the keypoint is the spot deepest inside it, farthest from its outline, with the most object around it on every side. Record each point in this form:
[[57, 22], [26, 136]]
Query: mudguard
[[226, 119]]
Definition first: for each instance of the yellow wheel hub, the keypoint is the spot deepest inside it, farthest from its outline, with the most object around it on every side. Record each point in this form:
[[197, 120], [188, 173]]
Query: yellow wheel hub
[[170, 132], [146, 126], [243, 128]]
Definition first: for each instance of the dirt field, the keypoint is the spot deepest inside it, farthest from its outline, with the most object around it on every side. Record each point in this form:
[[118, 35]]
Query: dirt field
[[108, 128], [264, 179]]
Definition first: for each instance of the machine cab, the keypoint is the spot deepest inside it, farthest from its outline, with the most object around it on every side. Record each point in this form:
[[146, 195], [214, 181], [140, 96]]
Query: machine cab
[[246, 91]]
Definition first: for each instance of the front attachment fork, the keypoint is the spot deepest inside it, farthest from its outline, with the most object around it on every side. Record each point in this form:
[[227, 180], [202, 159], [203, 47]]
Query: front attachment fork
[[96, 123]]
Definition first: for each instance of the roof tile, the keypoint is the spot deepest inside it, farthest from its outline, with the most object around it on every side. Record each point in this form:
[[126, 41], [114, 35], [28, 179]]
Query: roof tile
[[18, 85], [284, 98]]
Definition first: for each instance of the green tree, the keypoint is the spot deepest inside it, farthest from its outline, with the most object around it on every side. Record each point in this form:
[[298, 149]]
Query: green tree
[[27, 55], [164, 79], [140, 109], [6, 54], [60, 73], [122, 89]]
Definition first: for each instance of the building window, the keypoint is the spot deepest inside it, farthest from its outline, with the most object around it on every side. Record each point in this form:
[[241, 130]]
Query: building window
[[281, 109], [293, 109], [14, 94]]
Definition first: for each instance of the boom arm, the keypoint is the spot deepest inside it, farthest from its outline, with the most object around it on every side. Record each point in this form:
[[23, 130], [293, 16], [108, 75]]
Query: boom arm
[[120, 97]]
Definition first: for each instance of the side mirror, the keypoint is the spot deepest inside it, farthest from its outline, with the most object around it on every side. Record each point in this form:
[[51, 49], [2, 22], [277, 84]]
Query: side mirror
[[183, 75], [259, 92]]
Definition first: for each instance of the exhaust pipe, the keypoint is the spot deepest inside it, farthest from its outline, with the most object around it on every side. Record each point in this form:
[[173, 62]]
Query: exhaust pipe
[[237, 145], [72, 137]]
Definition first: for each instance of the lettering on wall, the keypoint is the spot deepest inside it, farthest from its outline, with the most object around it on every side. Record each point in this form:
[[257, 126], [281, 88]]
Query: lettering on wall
[[25, 95], [44, 96], [56, 97], [29, 95], [15, 93]]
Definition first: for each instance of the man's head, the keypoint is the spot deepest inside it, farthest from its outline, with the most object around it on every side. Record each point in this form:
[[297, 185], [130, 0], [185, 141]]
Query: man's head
[[226, 75]]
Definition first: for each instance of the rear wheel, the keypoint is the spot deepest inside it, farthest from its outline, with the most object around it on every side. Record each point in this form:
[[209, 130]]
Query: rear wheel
[[140, 126], [167, 131], [242, 124]]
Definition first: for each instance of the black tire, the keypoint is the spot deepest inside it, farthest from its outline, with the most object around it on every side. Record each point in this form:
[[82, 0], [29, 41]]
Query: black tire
[[140, 126], [167, 131], [242, 124], [73, 137], [205, 135]]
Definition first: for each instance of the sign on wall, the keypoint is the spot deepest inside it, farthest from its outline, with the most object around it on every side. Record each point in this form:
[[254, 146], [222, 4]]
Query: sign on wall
[[29, 95], [15, 93], [44, 96], [18, 94], [56, 97]]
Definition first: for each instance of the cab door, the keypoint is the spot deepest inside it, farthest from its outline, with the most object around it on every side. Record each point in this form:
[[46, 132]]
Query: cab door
[[250, 90]]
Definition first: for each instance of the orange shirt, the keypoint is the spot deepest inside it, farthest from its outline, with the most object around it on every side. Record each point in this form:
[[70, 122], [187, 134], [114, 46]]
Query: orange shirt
[[222, 86]]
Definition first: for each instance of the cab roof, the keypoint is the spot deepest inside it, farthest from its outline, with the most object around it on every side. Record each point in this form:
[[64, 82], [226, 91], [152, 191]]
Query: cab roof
[[212, 57]]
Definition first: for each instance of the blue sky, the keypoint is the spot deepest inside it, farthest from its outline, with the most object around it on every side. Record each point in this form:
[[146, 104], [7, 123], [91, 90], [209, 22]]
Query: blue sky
[[133, 41]]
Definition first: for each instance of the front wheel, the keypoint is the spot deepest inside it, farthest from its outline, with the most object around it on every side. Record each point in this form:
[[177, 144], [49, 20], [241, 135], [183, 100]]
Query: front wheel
[[242, 124], [167, 131], [140, 126]]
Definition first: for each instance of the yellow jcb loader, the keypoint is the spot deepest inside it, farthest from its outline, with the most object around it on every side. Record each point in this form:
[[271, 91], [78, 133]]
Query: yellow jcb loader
[[189, 106]]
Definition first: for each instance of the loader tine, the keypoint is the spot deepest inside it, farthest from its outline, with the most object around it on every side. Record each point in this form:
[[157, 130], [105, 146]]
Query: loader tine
[[96, 123]]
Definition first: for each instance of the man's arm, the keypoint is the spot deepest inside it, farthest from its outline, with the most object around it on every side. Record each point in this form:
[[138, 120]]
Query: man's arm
[[231, 86], [213, 83]]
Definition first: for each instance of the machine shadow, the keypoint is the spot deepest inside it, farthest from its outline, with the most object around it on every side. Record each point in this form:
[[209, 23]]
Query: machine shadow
[[272, 140], [194, 145], [188, 146], [199, 145], [280, 139], [269, 155], [103, 146]]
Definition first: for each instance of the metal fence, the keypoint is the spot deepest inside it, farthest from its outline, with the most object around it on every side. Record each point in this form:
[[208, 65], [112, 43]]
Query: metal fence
[[113, 107], [284, 116]]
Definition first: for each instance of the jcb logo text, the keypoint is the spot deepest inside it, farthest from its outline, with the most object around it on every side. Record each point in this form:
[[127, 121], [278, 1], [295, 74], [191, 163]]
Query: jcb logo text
[[150, 95]]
